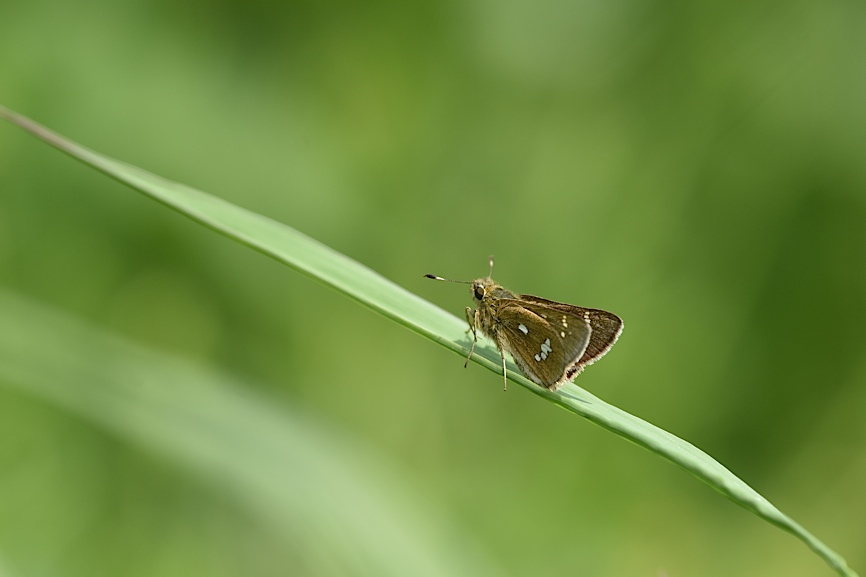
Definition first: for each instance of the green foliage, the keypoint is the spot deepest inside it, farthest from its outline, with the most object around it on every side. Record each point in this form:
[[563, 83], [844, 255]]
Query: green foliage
[[370, 289], [336, 514], [697, 168]]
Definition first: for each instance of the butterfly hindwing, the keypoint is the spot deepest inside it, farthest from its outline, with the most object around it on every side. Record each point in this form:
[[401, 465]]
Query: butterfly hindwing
[[544, 341]]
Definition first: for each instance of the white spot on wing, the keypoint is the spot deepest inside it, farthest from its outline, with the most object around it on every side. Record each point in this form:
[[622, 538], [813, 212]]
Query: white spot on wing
[[523, 328], [545, 350]]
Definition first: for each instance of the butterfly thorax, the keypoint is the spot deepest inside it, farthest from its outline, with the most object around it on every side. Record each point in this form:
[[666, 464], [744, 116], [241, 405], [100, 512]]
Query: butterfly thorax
[[488, 295]]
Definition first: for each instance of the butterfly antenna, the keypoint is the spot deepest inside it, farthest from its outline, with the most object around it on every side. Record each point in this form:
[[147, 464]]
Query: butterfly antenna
[[434, 277], [491, 267]]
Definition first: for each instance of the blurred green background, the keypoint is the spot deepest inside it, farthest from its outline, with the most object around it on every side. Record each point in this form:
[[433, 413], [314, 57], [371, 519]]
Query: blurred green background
[[699, 169]]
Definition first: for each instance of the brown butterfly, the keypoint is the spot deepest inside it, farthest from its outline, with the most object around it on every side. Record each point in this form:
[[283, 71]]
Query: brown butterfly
[[551, 342]]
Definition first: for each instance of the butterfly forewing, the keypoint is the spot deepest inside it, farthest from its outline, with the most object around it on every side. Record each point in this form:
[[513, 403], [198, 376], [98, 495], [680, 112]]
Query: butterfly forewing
[[606, 327], [544, 341]]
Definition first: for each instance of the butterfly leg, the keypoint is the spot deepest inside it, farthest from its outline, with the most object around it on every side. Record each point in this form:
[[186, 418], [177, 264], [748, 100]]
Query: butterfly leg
[[471, 318]]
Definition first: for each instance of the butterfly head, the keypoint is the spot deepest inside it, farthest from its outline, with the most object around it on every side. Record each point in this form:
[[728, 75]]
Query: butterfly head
[[481, 287]]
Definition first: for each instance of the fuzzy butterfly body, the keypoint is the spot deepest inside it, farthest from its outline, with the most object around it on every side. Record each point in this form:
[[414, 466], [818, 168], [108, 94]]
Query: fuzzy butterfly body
[[550, 341]]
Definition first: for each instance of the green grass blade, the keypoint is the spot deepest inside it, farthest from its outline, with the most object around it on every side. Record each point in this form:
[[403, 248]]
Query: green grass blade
[[334, 503], [372, 290]]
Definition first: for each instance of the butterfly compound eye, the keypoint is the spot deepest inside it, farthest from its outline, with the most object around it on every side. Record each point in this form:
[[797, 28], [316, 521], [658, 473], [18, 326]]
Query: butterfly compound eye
[[479, 292]]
